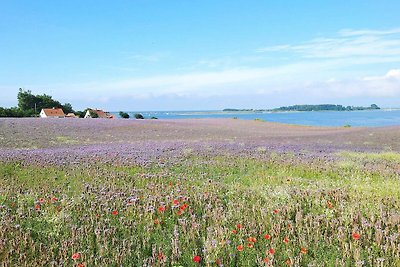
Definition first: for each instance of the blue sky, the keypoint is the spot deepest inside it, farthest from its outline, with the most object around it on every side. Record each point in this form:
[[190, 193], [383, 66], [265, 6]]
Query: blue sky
[[193, 55]]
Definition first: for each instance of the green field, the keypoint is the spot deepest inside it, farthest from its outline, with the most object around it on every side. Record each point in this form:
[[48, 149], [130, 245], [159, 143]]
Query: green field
[[251, 198], [164, 216]]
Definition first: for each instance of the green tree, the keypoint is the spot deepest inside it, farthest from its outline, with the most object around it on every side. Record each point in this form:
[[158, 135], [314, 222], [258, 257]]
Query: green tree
[[29, 103], [12, 112], [67, 108], [26, 101], [374, 106], [81, 114], [124, 115], [139, 116], [93, 114]]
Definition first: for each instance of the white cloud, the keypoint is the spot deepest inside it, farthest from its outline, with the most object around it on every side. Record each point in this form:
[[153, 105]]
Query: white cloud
[[347, 43], [316, 74], [351, 32], [384, 86]]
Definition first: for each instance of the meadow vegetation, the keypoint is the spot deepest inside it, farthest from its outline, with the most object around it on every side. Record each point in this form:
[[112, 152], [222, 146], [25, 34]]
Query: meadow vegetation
[[205, 207]]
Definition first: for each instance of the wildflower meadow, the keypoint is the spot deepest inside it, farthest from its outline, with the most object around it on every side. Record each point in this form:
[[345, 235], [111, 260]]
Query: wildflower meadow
[[197, 193]]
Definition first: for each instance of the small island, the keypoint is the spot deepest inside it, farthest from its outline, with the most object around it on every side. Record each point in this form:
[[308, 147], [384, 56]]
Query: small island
[[321, 107]]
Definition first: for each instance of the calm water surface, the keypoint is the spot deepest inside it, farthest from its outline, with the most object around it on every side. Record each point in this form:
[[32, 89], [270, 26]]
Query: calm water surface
[[384, 117]]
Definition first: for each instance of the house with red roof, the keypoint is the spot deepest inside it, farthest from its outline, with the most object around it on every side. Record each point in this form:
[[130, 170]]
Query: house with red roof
[[52, 113], [100, 114]]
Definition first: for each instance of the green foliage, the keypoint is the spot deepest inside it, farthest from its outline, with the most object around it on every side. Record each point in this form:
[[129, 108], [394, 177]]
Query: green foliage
[[347, 126], [318, 208], [26, 100], [13, 112], [67, 108], [374, 106], [154, 118], [139, 116], [93, 114], [322, 107], [30, 105], [81, 114], [124, 115]]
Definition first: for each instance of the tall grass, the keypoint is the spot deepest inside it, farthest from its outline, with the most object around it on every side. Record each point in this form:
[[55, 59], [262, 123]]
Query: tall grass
[[227, 210]]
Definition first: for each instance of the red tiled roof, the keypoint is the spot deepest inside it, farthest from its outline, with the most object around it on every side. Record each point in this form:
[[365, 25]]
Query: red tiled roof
[[102, 114], [53, 112]]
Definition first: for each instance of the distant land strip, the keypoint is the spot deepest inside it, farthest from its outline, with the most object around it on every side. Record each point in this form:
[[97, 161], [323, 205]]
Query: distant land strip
[[321, 107]]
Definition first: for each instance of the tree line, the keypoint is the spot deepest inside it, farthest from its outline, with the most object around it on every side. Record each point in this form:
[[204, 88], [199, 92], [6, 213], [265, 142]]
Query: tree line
[[321, 107], [30, 105], [324, 107]]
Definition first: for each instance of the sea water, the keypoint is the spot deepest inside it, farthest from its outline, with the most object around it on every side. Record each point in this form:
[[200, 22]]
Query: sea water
[[383, 117]]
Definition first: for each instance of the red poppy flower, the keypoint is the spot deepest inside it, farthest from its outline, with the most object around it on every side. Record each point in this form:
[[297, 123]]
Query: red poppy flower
[[161, 256], [288, 262], [156, 221], [37, 207], [162, 209], [115, 212], [267, 236], [329, 205], [196, 258], [250, 245], [266, 260], [54, 199], [239, 248], [176, 202], [76, 256], [251, 239], [234, 231], [303, 250], [179, 212], [58, 208], [289, 226], [218, 261], [356, 236], [271, 251], [80, 265], [276, 211], [239, 226], [286, 240], [41, 200]]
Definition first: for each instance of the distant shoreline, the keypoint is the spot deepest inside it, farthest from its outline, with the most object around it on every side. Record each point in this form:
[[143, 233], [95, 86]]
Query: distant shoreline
[[319, 107]]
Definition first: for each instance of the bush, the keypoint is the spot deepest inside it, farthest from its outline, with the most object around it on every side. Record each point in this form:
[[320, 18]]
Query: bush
[[139, 116], [154, 118], [93, 114], [80, 114], [124, 115]]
